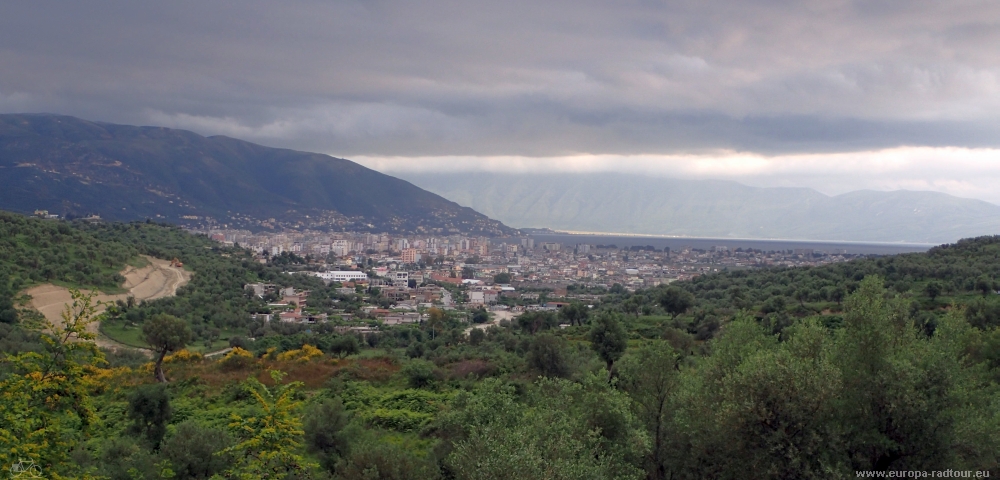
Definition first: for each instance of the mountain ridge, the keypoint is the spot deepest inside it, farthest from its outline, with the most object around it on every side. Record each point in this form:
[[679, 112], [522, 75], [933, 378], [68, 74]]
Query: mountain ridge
[[67, 165], [633, 204]]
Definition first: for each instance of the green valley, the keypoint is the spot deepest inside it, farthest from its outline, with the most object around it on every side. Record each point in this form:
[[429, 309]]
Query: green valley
[[881, 363]]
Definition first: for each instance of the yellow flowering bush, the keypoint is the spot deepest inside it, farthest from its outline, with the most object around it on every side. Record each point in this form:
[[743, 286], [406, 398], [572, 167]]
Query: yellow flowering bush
[[184, 355], [237, 359], [45, 404], [271, 353], [304, 354], [238, 352], [100, 379], [146, 368]]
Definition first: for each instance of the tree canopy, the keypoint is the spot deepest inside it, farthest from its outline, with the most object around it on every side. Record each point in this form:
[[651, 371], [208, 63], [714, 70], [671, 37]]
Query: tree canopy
[[165, 333]]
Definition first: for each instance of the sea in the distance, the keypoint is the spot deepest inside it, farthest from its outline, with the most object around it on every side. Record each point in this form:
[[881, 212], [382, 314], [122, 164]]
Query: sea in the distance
[[677, 243]]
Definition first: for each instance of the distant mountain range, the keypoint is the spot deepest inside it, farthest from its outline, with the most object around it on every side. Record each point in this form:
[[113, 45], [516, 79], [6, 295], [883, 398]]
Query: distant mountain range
[[70, 166], [636, 204]]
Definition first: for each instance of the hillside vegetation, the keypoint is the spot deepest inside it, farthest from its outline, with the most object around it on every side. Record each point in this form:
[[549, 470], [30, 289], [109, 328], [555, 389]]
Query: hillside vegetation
[[818, 388], [33, 252], [932, 284]]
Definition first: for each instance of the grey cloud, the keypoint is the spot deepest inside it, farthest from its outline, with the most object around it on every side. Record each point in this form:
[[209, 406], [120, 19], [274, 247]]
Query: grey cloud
[[522, 78]]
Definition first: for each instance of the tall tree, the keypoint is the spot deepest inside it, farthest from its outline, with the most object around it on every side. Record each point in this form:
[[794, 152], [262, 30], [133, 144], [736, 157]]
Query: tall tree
[[676, 300], [8, 314], [650, 376], [480, 315], [547, 356], [149, 410], [324, 431], [533, 322], [903, 406], [985, 285], [933, 289], [575, 313], [435, 320], [633, 305], [165, 333], [608, 338]]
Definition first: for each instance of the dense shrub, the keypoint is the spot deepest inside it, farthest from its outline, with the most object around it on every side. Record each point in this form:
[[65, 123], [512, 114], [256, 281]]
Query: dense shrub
[[419, 373]]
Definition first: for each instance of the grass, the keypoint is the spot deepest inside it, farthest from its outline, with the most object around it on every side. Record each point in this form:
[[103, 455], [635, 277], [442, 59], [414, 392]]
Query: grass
[[215, 347], [378, 352], [124, 334], [221, 343], [138, 261], [133, 337]]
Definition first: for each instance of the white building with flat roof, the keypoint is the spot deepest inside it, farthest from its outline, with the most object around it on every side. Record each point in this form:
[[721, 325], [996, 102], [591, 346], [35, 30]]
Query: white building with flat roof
[[341, 276]]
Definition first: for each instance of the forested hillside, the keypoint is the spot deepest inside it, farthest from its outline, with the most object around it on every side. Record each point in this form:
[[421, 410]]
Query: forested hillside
[[67, 166], [849, 375], [963, 274], [33, 251]]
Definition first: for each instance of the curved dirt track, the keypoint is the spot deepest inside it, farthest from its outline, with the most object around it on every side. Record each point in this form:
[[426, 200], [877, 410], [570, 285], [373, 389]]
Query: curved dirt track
[[156, 280], [498, 316]]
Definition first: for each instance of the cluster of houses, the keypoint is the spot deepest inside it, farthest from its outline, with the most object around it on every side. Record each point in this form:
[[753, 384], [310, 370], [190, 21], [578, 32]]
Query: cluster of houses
[[290, 304]]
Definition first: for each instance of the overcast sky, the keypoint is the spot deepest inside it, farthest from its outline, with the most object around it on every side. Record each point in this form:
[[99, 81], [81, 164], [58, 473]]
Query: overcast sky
[[836, 95]]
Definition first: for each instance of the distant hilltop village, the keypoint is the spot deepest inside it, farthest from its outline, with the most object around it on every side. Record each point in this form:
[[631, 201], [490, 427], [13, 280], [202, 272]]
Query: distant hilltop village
[[505, 272]]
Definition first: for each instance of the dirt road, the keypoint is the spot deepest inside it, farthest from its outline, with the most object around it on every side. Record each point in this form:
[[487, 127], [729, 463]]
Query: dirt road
[[156, 280], [498, 316]]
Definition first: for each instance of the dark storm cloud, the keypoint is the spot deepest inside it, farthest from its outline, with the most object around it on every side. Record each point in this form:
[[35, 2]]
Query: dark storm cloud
[[519, 78]]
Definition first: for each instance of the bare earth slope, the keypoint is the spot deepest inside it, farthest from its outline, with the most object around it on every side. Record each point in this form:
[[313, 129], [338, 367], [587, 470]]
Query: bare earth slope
[[156, 280]]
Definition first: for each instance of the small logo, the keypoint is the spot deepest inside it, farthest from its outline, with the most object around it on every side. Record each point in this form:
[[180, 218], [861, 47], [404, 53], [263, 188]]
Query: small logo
[[25, 469]]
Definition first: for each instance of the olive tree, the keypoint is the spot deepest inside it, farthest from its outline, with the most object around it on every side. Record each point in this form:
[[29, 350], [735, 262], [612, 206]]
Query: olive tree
[[165, 333], [608, 339], [676, 301]]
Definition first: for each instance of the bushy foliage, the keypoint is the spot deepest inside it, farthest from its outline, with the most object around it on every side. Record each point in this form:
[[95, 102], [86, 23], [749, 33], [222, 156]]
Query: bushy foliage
[[499, 437], [608, 338], [304, 354], [324, 425], [237, 359], [547, 356], [45, 401], [37, 251], [821, 403], [374, 457], [779, 373], [398, 410], [957, 273], [269, 435], [419, 373], [149, 410], [194, 451]]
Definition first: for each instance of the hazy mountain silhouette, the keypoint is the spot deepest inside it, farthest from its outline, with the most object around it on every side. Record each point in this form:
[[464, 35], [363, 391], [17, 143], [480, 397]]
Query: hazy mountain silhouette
[[705, 208]]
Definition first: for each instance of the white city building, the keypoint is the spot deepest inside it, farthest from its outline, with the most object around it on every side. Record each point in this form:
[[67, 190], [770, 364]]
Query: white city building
[[341, 276]]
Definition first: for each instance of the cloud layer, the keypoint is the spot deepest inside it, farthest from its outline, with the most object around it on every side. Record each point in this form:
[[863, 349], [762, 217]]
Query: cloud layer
[[963, 172], [768, 83]]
